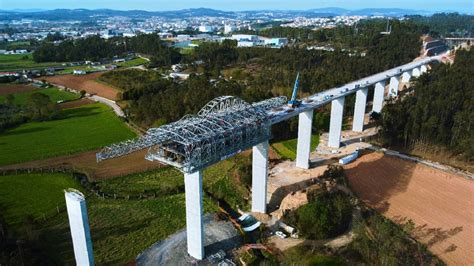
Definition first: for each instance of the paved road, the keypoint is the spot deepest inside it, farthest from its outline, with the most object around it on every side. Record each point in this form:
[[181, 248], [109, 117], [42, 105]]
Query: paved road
[[118, 111]]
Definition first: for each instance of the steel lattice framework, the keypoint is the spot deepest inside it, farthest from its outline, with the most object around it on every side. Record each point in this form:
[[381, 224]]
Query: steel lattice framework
[[224, 127]]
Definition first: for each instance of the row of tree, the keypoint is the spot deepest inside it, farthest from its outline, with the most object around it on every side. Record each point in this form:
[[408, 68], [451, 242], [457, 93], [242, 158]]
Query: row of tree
[[95, 48], [439, 110]]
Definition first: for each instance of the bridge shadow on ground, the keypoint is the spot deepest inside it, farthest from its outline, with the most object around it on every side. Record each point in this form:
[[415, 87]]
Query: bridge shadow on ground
[[280, 193], [375, 178]]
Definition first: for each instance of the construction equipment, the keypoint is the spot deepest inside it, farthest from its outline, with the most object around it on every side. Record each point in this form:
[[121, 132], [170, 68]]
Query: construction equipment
[[293, 102]]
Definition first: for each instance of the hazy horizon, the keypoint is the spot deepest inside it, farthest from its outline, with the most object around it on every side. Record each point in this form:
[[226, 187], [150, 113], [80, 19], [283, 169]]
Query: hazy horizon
[[463, 6]]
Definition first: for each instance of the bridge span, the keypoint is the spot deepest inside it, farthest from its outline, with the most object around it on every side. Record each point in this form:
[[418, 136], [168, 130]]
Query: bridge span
[[228, 125]]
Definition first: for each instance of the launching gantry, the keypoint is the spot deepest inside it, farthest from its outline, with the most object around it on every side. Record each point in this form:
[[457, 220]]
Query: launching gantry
[[224, 127]]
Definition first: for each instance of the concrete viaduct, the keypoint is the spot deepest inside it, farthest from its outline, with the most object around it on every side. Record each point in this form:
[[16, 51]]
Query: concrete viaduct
[[227, 126]]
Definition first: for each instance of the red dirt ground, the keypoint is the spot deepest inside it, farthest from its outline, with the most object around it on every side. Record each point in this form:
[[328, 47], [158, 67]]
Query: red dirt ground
[[87, 83], [440, 204], [14, 88], [86, 162]]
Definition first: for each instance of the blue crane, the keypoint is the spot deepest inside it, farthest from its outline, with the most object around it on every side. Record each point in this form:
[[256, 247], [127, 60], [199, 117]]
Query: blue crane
[[293, 102]]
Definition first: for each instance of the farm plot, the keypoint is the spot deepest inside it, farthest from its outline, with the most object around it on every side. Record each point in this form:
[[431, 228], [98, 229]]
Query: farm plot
[[85, 82], [439, 203], [17, 62], [79, 129], [54, 94]]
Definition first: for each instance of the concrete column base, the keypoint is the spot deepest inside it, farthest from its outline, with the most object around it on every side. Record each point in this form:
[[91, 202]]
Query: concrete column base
[[194, 225], [303, 149], [259, 177], [335, 127]]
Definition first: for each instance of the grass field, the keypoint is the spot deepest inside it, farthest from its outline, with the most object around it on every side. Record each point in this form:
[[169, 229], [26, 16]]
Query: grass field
[[79, 129], [287, 149], [22, 61], [54, 94], [134, 62], [32, 195]]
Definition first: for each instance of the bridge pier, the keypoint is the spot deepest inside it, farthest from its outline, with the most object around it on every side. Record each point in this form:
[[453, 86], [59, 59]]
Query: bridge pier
[[359, 110], [379, 92], [259, 177], [79, 226], [423, 69], [406, 76], [303, 148], [416, 72], [393, 86], [335, 127], [194, 224]]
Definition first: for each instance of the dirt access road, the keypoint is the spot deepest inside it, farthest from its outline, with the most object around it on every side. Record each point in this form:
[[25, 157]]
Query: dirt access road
[[86, 82], [441, 204]]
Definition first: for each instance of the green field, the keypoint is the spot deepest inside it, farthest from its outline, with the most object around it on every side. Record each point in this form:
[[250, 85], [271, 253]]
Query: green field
[[287, 149], [54, 94], [134, 62], [32, 195], [78, 129], [22, 61]]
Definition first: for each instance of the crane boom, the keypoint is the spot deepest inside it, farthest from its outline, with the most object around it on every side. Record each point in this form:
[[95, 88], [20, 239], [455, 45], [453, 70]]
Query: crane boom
[[293, 102]]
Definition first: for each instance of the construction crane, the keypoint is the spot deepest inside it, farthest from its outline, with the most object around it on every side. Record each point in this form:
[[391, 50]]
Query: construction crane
[[388, 30], [293, 102]]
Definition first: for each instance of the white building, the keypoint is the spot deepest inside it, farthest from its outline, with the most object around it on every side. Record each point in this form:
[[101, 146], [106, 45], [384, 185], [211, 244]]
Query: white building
[[205, 28], [229, 28]]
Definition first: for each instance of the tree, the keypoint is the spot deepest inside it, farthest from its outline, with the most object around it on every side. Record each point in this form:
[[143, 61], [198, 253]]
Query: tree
[[10, 100], [40, 107]]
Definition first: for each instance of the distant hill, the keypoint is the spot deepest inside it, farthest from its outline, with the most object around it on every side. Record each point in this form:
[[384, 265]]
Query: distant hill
[[87, 14]]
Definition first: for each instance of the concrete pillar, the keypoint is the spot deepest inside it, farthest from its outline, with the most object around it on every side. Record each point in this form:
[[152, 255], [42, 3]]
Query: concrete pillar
[[304, 139], [259, 177], [335, 127], [194, 226], [406, 76], [359, 110], [393, 86], [378, 96], [416, 72], [423, 69], [79, 224]]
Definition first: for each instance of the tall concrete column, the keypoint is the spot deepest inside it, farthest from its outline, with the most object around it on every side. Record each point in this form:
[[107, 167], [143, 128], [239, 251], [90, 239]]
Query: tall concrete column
[[79, 224], [194, 226], [393, 86], [416, 72], [406, 76], [359, 110], [304, 139], [379, 92], [423, 69], [259, 177], [335, 127]]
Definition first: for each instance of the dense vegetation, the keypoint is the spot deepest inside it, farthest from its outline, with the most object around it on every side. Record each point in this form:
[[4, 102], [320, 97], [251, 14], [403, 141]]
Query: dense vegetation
[[446, 24], [438, 110], [95, 48], [327, 214], [379, 241]]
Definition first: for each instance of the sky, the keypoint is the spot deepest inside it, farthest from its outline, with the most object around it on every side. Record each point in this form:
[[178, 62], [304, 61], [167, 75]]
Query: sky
[[464, 6]]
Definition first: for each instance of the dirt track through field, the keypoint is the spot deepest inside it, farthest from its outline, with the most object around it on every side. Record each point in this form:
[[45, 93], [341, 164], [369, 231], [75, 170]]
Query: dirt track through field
[[87, 83], [86, 162], [15, 88], [440, 204]]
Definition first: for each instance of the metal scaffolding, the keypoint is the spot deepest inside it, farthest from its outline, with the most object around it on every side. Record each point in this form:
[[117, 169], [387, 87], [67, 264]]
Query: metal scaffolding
[[224, 127]]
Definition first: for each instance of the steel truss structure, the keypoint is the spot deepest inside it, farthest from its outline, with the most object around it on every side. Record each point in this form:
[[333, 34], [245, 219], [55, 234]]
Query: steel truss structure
[[224, 127]]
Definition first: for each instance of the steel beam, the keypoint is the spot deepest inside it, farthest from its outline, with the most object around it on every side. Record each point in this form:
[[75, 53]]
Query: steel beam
[[194, 225], [304, 139], [335, 127], [259, 177], [359, 110]]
